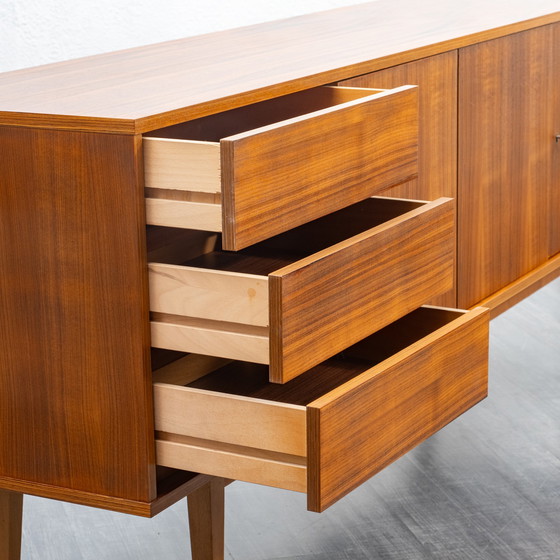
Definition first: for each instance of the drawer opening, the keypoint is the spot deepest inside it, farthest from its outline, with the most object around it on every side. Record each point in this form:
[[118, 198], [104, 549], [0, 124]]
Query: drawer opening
[[235, 317], [377, 260], [215, 127], [282, 250], [251, 380], [258, 170], [334, 426]]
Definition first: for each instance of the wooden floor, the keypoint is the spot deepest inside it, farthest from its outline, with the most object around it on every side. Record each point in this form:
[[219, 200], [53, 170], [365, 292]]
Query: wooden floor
[[485, 487]]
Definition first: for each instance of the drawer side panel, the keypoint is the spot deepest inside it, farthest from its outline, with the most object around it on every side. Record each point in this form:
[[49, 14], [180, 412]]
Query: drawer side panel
[[255, 423]]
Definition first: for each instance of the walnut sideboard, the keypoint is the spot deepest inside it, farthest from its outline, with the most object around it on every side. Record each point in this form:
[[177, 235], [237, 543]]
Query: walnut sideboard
[[224, 257]]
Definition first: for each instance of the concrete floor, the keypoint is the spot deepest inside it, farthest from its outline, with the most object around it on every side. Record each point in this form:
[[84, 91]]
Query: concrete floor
[[485, 487]]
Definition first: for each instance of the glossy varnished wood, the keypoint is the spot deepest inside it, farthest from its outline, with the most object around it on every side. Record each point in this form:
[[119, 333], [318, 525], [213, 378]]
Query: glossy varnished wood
[[75, 405], [436, 77], [554, 190], [513, 293], [11, 504], [149, 87], [506, 148], [294, 174], [359, 429], [326, 302]]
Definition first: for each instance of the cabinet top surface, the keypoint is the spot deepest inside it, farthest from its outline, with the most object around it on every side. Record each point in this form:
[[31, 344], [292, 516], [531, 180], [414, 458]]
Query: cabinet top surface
[[144, 88]]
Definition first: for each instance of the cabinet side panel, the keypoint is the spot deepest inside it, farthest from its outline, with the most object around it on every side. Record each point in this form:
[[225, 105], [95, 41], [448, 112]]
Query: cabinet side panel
[[505, 152], [436, 78], [75, 393]]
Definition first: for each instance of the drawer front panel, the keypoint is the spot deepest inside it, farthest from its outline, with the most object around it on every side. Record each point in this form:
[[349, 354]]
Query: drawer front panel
[[314, 166], [323, 304], [369, 423]]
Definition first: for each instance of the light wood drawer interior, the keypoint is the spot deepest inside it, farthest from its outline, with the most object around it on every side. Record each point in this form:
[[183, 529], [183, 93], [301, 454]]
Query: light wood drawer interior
[[258, 170], [298, 298], [336, 425]]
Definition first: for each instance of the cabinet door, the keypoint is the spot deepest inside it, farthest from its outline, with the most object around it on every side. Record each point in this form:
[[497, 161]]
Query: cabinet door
[[554, 192], [436, 77], [506, 150]]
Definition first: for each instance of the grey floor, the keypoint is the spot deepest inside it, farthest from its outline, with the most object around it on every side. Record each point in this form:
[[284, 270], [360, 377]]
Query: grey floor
[[485, 487]]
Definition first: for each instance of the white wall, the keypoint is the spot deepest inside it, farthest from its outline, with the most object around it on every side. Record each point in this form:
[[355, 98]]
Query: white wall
[[34, 32]]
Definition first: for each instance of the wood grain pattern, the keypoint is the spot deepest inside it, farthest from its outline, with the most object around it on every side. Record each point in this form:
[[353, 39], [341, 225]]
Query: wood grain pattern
[[216, 295], [366, 424], [322, 304], [483, 498], [321, 142], [76, 403], [364, 408], [237, 420], [240, 463], [11, 512], [216, 338], [206, 521], [169, 491], [436, 78], [182, 164], [336, 156], [506, 147], [513, 293], [150, 87], [211, 129], [554, 181], [183, 214], [187, 369]]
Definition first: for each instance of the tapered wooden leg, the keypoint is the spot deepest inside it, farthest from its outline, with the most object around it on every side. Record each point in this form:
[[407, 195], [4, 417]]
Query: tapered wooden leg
[[11, 510], [206, 520]]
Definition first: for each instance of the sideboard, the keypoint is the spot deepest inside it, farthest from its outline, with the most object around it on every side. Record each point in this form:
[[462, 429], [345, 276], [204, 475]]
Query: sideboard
[[238, 256]]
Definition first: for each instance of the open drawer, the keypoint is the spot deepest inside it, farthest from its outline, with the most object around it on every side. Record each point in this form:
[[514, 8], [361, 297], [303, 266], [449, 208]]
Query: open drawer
[[296, 299], [330, 429], [259, 170]]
